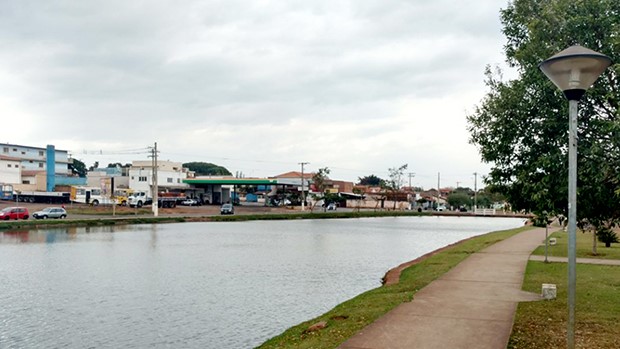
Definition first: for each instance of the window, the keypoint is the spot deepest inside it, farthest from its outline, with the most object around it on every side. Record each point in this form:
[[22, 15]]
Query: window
[[26, 182], [14, 149], [41, 164], [30, 161], [142, 179], [178, 180], [8, 165], [169, 180], [5, 149], [23, 153], [40, 152]]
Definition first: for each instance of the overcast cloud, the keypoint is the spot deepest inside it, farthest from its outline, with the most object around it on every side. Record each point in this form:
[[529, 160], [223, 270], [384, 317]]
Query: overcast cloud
[[256, 86]]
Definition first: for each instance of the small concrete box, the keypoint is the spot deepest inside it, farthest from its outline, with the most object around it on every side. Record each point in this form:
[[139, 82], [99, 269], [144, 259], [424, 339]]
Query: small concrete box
[[549, 291]]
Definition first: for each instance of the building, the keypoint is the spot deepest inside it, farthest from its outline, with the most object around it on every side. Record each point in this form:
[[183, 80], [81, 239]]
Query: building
[[170, 176], [10, 170], [37, 168]]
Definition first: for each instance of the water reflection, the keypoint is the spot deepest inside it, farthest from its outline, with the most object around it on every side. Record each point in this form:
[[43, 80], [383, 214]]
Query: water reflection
[[55, 235], [199, 285]]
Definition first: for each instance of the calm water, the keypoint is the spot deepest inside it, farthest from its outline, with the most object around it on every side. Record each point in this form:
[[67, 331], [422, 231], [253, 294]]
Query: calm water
[[200, 285]]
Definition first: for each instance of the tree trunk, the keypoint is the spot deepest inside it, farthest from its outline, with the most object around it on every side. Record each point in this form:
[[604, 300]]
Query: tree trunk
[[594, 252]]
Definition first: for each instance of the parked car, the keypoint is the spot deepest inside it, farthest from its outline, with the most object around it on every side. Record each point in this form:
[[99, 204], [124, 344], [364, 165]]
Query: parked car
[[227, 209], [50, 212], [14, 213], [190, 202], [331, 206]]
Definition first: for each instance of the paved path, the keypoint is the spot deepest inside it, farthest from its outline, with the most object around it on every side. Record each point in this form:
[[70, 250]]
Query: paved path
[[579, 260], [471, 306]]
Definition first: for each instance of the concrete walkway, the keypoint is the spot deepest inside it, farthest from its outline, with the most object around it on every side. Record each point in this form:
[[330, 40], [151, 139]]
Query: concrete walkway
[[471, 306]]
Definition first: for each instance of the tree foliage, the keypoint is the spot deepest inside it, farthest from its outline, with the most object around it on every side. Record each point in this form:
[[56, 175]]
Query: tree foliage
[[207, 169], [319, 183], [371, 180], [460, 199], [77, 167], [393, 184], [521, 126], [119, 165]]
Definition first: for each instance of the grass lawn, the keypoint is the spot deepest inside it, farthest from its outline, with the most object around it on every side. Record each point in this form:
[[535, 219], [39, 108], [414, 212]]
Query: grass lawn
[[543, 324], [350, 317], [584, 247]]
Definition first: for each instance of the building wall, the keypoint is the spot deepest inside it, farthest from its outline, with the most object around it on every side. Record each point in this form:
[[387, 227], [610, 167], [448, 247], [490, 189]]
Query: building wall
[[10, 171], [170, 175], [33, 158]]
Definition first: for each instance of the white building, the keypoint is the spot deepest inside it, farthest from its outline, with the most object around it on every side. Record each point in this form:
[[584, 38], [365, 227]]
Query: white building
[[34, 158], [10, 170], [170, 176]]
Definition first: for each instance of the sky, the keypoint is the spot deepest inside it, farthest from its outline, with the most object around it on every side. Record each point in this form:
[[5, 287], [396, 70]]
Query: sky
[[259, 86]]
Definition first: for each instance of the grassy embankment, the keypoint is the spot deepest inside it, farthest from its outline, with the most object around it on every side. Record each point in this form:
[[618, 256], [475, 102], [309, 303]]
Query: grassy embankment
[[108, 219], [350, 317], [543, 324]]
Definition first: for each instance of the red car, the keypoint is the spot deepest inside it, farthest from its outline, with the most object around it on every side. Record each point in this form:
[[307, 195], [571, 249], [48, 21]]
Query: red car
[[14, 213]]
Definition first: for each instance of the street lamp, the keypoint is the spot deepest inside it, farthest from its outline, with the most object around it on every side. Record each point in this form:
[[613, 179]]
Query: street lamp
[[573, 71]]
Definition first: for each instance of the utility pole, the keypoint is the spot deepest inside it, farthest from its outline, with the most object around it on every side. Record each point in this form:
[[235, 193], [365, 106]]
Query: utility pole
[[475, 191], [438, 186], [303, 193], [457, 184], [154, 186], [411, 174]]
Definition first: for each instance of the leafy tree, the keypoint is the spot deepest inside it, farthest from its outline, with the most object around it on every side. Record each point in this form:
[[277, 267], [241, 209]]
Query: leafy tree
[[207, 169], [77, 167], [394, 183], [521, 125], [118, 164], [607, 236], [319, 181], [459, 199], [94, 166], [371, 180]]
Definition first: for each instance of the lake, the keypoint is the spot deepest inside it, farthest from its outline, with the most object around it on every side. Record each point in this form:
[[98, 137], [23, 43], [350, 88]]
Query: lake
[[201, 285]]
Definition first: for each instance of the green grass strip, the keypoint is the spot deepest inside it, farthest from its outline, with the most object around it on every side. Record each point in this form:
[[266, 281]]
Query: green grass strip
[[348, 318], [543, 324], [583, 247]]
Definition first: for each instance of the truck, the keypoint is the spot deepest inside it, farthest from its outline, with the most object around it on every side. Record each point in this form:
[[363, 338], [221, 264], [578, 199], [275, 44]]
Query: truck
[[122, 196], [139, 199], [6, 191], [46, 197], [164, 199]]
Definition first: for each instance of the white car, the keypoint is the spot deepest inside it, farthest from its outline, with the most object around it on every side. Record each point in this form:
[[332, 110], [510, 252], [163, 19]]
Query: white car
[[190, 202], [50, 212]]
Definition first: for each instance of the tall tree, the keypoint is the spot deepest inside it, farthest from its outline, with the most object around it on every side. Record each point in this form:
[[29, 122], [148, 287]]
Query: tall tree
[[393, 184], [207, 169], [521, 125], [371, 180], [77, 167], [319, 183]]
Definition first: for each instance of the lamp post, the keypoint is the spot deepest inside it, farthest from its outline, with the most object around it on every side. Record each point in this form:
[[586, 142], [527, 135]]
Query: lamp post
[[573, 71]]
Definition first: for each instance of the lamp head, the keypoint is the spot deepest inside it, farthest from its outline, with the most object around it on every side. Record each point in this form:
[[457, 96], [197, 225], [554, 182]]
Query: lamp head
[[575, 69]]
